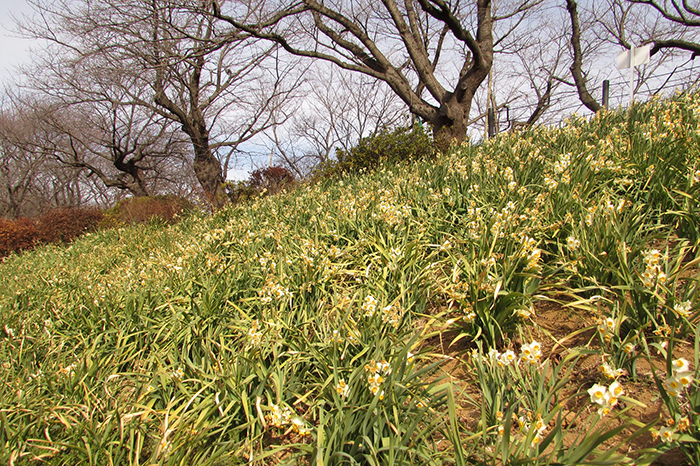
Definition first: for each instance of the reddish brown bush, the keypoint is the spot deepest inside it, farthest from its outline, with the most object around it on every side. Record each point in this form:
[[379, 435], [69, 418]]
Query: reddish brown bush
[[272, 178], [58, 225], [17, 235], [64, 225], [269, 180], [135, 210]]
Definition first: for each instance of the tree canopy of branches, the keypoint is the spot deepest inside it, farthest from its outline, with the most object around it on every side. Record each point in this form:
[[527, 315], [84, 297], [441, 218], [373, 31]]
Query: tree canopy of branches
[[169, 60], [137, 92], [31, 179], [413, 46], [121, 145], [680, 13], [338, 110]]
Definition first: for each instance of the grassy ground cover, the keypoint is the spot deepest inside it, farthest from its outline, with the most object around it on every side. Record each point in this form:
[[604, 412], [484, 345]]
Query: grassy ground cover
[[410, 315]]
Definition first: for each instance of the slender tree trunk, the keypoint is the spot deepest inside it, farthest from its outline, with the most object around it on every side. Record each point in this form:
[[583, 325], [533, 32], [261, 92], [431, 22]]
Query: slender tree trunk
[[576, 68]]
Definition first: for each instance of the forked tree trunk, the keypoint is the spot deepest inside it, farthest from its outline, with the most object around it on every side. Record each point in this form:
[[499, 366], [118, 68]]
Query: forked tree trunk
[[450, 117], [451, 122]]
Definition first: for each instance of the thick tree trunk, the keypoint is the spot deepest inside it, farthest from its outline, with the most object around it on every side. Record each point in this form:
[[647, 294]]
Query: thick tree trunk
[[452, 118], [207, 168], [450, 122], [14, 204], [348, 44], [448, 127], [137, 186]]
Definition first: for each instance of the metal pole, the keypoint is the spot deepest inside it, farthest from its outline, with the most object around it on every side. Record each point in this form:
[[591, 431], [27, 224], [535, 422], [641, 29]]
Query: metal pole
[[631, 74], [606, 94], [487, 130]]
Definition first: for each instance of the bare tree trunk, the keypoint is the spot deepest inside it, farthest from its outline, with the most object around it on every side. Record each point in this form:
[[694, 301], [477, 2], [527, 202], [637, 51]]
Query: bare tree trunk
[[576, 68], [166, 60], [542, 105], [207, 168], [454, 110]]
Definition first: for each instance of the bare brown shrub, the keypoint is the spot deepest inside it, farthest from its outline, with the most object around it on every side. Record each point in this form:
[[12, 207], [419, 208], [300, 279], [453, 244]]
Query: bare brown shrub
[[56, 226], [64, 225], [17, 235], [135, 210]]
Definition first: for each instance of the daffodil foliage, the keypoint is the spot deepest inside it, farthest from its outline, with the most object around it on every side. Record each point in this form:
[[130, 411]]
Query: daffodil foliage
[[385, 317]]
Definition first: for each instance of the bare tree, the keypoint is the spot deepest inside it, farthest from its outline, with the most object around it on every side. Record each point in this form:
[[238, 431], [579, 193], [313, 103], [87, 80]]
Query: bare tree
[[411, 46], [125, 148], [18, 173], [580, 78], [526, 73], [31, 180], [169, 60], [680, 13], [338, 110], [627, 24], [615, 24]]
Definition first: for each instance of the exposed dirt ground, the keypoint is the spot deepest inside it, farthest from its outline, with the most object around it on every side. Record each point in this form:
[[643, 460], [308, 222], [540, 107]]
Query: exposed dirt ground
[[556, 329]]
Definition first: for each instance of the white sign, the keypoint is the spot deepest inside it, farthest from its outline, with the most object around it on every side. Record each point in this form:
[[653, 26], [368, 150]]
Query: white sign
[[640, 57]]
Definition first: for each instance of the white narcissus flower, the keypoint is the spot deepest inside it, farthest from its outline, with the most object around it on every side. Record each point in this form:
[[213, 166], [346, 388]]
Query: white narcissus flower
[[685, 378], [666, 434], [369, 306], [610, 323], [572, 243], [536, 346], [683, 309], [507, 357], [615, 389], [673, 387], [342, 388], [681, 365], [597, 393], [604, 409]]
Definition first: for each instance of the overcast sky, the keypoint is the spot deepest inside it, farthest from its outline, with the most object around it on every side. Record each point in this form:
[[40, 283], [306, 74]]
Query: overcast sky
[[13, 50]]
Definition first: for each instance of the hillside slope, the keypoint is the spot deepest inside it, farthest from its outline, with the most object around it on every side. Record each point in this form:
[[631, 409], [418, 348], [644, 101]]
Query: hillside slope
[[314, 325]]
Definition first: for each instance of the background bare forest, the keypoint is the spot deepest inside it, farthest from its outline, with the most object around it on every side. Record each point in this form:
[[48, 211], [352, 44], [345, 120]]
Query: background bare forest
[[134, 98]]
